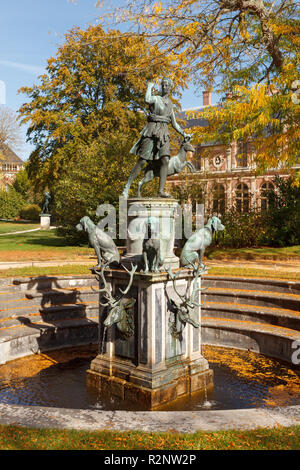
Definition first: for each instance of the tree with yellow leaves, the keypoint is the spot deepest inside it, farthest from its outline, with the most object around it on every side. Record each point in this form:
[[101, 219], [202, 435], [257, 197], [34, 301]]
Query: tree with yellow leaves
[[246, 50]]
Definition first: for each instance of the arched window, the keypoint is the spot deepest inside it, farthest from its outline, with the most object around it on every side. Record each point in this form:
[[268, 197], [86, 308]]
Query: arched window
[[264, 192], [219, 199], [197, 158], [242, 197]]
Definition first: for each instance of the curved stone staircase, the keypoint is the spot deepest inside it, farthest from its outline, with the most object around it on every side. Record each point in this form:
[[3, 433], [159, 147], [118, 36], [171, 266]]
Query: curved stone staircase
[[261, 315], [44, 313]]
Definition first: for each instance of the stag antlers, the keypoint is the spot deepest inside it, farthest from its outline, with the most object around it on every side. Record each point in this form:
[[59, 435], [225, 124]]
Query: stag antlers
[[191, 300], [106, 290], [181, 309]]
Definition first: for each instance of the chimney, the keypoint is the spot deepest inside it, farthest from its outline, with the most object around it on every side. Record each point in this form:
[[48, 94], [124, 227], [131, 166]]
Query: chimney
[[206, 98]]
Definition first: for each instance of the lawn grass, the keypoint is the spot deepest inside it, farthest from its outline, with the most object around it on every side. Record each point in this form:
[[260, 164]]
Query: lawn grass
[[259, 253], [253, 272], [64, 270], [46, 244], [41, 245], [18, 438], [84, 269], [7, 227]]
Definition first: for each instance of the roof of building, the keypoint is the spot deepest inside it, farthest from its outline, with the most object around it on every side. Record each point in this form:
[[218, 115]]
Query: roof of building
[[190, 117], [192, 120], [9, 155]]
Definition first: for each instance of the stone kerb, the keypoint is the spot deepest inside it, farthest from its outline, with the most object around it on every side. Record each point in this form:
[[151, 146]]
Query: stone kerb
[[149, 421]]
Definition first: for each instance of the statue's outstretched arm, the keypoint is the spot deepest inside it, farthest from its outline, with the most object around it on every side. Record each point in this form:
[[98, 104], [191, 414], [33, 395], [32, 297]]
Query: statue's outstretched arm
[[176, 126]]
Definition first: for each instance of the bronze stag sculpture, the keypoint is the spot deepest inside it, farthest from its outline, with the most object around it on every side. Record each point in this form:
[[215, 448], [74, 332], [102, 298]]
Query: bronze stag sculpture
[[120, 310], [181, 310]]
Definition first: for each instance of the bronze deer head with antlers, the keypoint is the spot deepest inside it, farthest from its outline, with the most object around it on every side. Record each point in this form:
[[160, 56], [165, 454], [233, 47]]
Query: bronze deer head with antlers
[[181, 310], [120, 312]]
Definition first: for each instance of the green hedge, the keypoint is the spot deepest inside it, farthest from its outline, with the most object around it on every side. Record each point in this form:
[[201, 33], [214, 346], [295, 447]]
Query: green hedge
[[30, 212], [278, 226]]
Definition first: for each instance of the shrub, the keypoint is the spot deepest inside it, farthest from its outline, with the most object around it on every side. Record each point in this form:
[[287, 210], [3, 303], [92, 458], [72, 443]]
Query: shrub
[[242, 230], [22, 183], [30, 212], [11, 202], [283, 216], [278, 226]]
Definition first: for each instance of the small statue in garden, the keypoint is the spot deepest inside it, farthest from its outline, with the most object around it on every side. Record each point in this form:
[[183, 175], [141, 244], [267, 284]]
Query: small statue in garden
[[152, 258], [194, 248], [154, 142], [46, 202], [102, 243]]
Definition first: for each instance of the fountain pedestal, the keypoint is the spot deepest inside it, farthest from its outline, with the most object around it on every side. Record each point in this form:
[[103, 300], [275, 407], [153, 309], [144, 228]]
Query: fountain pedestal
[[138, 212], [152, 366]]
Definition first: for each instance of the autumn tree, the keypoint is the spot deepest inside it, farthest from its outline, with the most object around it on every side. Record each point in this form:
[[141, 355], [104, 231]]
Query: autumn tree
[[85, 115], [22, 184], [248, 52]]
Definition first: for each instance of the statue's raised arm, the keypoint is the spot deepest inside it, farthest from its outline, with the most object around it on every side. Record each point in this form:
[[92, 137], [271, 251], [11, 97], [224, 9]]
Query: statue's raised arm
[[149, 97]]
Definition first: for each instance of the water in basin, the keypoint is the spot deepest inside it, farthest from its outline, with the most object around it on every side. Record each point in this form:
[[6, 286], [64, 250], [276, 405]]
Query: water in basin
[[242, 379]]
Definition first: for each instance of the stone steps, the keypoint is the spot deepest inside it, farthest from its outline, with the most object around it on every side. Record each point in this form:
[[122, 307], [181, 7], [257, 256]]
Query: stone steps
[[49, 298], [61, 313], [38, 314], [262, 315], [257, 284], [42, 283], [23, 309], [270, 340], [13, 329], [235, 311], [252, 297]]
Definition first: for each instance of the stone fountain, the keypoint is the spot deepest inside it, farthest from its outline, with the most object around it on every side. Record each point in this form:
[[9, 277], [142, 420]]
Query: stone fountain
[[150, 315]]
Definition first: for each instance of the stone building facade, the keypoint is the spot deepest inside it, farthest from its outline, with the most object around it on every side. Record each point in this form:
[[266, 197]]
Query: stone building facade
[[227, 174], [10, 165]]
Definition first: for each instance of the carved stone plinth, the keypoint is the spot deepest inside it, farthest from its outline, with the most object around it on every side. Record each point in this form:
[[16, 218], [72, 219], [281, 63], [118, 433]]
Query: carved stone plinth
[[152, 367], [45, 221]]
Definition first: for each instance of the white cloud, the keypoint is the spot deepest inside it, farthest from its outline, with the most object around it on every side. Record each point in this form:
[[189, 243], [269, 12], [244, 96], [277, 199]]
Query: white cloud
[[33, 69]]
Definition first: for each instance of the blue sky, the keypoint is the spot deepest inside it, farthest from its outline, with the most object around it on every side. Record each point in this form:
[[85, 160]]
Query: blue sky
[[30, 33]]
